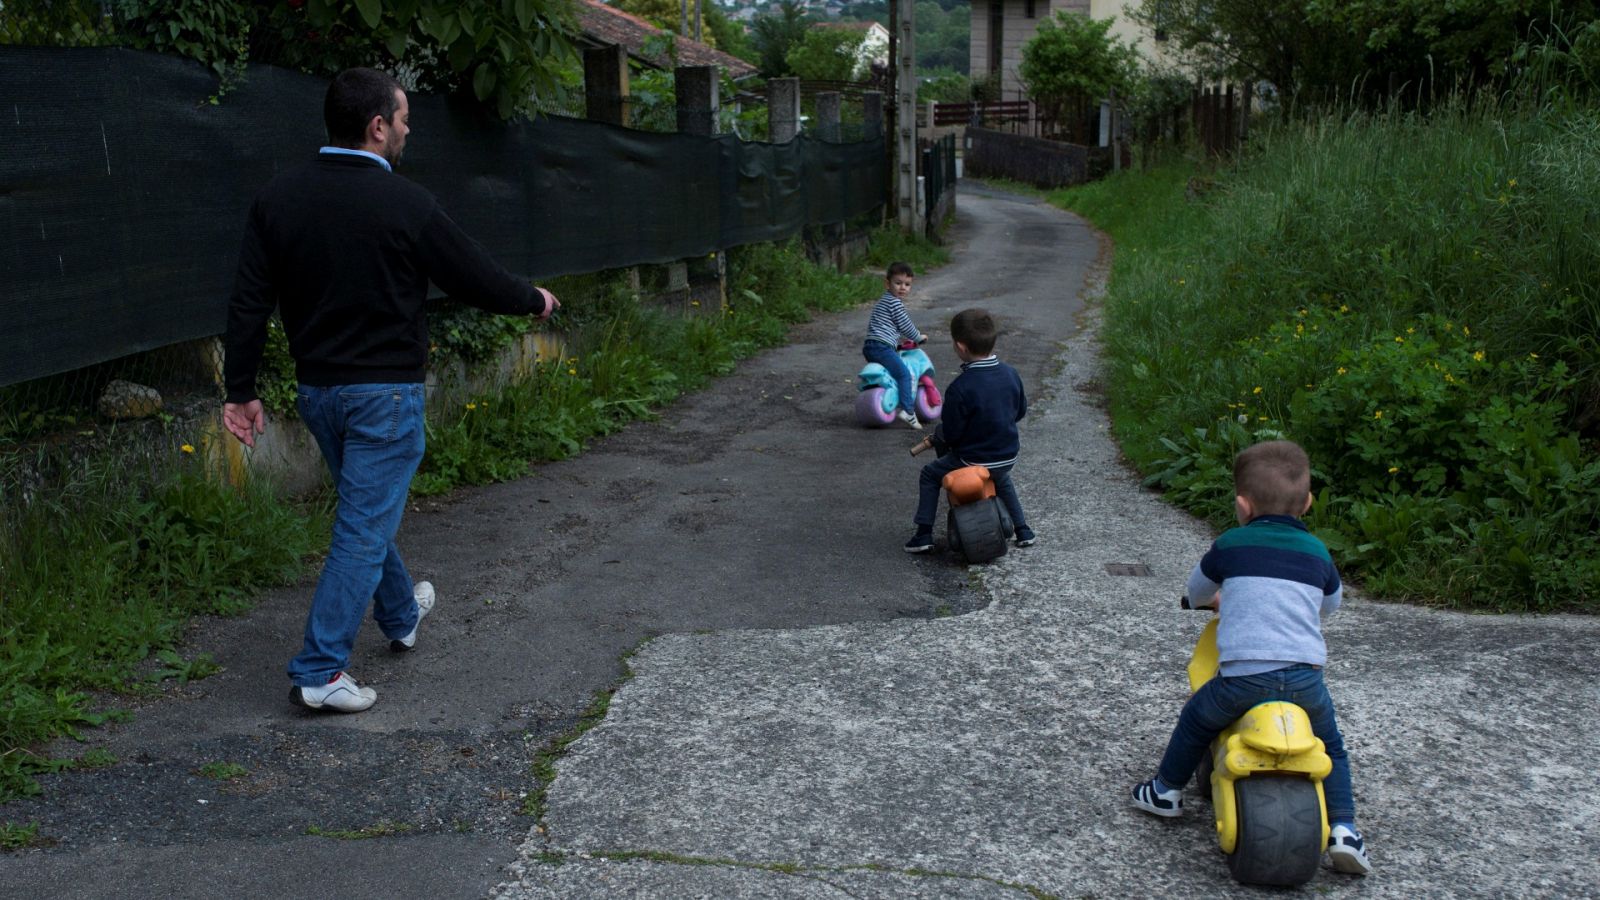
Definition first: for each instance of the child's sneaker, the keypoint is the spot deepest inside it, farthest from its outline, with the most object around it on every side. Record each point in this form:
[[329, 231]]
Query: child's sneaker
[[1168, 804], [920, 543], [1025, 536], [1347, 852], [909, 417]]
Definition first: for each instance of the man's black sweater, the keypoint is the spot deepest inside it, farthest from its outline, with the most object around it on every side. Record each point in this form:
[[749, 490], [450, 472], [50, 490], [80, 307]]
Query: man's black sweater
[[345, 249]]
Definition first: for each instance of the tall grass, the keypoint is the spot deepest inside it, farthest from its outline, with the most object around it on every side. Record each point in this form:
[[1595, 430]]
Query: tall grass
[[102, 570], [1409, 297]]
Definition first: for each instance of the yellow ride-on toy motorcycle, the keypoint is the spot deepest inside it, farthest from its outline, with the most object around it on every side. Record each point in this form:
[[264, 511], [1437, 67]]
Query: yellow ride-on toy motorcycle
[[1265, 773]]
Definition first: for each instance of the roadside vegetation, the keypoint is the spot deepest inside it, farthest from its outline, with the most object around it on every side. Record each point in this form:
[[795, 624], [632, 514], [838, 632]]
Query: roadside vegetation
[[103, 562], [1411, 297]]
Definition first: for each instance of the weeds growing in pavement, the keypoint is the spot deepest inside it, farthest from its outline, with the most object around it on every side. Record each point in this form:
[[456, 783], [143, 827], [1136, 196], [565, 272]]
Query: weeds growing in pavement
[[1409, 297], [102, 570]]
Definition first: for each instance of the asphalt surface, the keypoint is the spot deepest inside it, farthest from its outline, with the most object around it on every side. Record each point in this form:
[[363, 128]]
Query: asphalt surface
[[755, 504]]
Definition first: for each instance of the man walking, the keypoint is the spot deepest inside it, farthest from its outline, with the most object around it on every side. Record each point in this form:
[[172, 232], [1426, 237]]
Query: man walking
[[344, 249]]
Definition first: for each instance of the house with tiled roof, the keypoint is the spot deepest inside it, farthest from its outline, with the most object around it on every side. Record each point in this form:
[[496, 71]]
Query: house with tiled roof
[[603, 25]]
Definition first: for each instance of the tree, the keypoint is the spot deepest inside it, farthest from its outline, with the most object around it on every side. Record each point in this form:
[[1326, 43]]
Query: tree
[[667, 15], [1073, 57], [1333, 48], [774, 35], [827, 54], [502, 52]]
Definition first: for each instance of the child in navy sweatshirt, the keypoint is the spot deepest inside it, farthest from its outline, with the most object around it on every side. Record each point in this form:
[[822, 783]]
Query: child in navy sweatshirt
[[978, 426]]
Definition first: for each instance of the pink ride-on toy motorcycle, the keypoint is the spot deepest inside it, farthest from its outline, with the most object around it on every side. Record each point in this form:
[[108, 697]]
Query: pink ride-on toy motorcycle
[[879, 397]]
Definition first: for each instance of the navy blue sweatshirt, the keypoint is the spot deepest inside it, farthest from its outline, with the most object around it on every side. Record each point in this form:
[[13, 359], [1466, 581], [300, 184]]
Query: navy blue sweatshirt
[[345, 250], [982, 407]]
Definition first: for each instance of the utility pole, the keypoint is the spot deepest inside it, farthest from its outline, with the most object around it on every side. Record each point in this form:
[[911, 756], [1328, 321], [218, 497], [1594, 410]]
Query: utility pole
[[905, 116], [697, 5]]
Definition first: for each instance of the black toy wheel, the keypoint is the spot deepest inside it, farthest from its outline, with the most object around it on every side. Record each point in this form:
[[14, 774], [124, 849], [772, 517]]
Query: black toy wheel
[[952, 537], [1280, 830], [978, 531]]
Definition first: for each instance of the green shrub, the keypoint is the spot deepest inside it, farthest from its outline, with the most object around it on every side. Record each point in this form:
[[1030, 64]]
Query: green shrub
[[1407, 297]]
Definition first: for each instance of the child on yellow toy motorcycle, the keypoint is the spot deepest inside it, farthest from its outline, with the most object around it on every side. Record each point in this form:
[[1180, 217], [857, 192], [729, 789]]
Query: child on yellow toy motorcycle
[[1280, 582]]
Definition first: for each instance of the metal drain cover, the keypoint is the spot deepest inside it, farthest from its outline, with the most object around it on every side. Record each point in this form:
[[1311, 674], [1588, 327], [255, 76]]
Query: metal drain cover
[[1138, 569]]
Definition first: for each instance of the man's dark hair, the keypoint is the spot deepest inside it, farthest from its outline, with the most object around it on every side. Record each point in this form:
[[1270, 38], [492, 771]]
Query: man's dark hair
[[1275, 476], [899, 268], [354, 97], [975, 328]]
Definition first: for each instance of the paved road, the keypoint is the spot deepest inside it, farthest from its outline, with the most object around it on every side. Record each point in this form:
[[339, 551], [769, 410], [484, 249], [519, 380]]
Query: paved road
[[989, 755], [756, 504]]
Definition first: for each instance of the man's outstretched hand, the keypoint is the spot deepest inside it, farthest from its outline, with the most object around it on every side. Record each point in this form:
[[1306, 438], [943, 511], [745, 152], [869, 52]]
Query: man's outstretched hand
[[245, 420]]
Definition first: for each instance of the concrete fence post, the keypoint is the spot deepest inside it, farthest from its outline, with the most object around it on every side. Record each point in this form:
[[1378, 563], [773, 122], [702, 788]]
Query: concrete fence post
[[783, 109]]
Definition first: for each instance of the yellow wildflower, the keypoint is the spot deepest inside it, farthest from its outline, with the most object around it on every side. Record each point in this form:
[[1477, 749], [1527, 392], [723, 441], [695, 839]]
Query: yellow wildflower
[[1399, 340], [1411, 331], [1343, 308], [1342, 370], [187, 448], [1378, 414], [1478, 356], [1511, 183], [1393, 469], [1257, 390], [1533, 356], [572, 371], [472, 406], [1466, 331], [1449, 379]]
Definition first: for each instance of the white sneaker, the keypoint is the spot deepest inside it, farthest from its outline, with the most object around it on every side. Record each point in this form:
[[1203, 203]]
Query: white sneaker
[[1347, 852], [909, 417], [341, 694], [423, 591]]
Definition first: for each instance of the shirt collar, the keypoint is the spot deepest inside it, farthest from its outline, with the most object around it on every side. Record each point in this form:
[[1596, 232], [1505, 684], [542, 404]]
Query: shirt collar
[[346, 151], [990, 360], [1272, 519]]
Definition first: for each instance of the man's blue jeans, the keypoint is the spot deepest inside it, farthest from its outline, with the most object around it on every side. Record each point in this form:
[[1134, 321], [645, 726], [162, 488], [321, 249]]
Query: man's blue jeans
[[1220, 701], [371, 436], [933, 479], [886, 356]]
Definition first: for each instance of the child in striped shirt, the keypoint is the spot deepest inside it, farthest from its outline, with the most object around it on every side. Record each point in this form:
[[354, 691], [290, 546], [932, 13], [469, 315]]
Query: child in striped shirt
[[1279, 583], [888, 325]]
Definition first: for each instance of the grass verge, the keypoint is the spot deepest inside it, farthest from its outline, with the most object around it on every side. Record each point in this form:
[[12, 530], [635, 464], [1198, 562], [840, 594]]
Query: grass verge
[[1409, 298]]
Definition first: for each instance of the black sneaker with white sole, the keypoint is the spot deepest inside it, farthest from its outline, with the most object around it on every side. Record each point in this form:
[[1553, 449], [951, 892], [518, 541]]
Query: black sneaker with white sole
[[1347, 852], [1168, 804]]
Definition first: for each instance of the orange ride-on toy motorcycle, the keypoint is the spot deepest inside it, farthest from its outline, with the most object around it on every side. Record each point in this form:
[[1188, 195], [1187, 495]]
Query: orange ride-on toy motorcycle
[[977, 526], [1265, 773]]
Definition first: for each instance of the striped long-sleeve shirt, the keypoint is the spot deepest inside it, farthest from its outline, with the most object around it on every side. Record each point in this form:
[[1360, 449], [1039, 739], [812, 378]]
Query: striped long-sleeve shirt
[[890, 322], [1278, 583]]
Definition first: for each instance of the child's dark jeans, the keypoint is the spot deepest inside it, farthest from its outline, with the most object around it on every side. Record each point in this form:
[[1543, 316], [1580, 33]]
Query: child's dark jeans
[[886, 356], [1220, 701], [933, 478]]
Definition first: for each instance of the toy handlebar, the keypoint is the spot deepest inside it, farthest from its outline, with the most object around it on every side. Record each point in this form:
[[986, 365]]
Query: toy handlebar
[[924, 444]]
